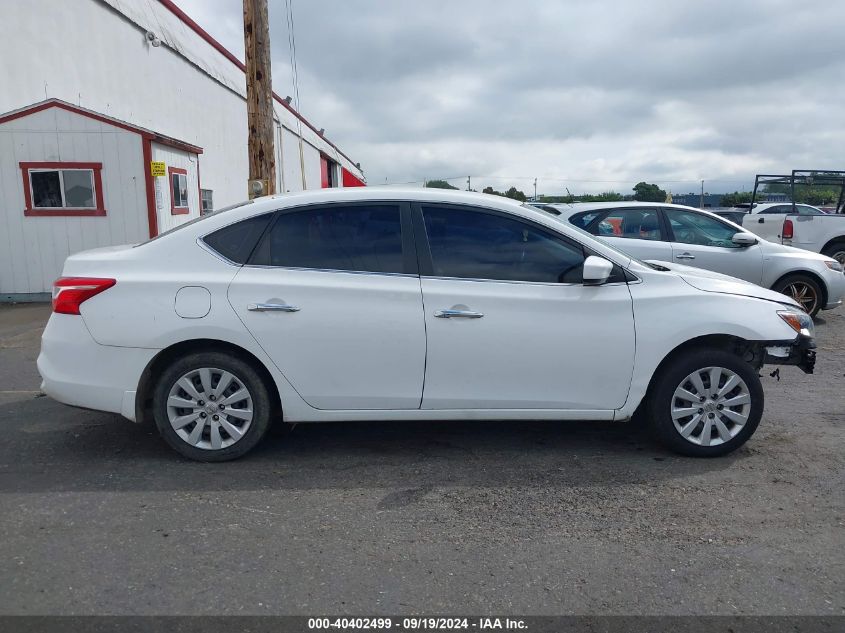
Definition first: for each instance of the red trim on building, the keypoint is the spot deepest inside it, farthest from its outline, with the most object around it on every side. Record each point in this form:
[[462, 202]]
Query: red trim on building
[[350, 179], [30, 211], [152, 215], [174, 210], [324, 172], [196, 28], [64, 105]]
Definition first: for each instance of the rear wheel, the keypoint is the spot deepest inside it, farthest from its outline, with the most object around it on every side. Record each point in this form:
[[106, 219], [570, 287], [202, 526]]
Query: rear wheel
[[706, 403], [804, 289], [211, 406], [836, 251]]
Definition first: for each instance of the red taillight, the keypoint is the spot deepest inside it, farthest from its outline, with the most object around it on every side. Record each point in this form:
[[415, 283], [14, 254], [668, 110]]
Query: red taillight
[[787, 230], [70, 292]]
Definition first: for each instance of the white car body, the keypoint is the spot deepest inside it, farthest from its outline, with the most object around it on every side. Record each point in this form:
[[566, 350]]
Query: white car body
[[812, 228], [354, 345], [765, 263]]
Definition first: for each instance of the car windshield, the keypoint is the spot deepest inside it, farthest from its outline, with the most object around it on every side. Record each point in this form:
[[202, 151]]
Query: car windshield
[[195, 220]]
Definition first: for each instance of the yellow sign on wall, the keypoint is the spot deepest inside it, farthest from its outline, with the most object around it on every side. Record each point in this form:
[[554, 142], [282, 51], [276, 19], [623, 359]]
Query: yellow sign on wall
[[158, 168]]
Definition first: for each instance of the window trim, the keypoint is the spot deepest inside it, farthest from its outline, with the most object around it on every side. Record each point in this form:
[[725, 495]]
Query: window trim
[[426, 263], [174, 210], [99, 208], [409, 253]]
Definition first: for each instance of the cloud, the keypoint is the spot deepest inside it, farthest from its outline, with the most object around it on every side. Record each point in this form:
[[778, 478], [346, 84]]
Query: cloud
[[568, 92]]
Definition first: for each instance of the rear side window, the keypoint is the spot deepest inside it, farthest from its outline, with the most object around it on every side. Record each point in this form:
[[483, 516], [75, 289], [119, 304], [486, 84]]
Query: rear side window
[[638, 224], [583, 220], [360, 238], [237, 241], [474, 244]]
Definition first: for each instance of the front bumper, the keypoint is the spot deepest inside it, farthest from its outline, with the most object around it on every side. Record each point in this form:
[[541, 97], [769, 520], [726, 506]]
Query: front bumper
[[800, 351]]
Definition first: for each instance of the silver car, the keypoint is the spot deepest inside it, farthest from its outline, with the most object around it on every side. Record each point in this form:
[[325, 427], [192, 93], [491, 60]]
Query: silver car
[[680, 235]]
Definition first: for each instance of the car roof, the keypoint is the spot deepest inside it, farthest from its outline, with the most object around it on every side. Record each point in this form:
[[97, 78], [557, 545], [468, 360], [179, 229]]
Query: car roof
[[225, 217], [568, 210]]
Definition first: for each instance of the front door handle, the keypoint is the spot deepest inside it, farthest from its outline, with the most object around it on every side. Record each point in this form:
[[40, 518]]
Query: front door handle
[[458, 314], [761, 221], [271, 307], [685, 256]]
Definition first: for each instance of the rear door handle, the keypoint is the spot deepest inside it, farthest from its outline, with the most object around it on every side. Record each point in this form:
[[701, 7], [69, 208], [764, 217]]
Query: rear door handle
[[458, 314], [272, 307], [685, 256]]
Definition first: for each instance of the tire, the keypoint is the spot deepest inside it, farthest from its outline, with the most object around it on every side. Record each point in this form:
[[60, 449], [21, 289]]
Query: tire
[[836, 251], [665, 407], [227, 430], [804, 289]]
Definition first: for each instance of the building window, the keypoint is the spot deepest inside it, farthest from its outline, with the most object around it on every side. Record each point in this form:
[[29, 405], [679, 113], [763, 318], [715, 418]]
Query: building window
[[178, 191], [62, 189], [207, 196]]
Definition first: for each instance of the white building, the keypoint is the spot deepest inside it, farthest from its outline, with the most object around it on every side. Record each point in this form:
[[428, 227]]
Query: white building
[[97, 94]]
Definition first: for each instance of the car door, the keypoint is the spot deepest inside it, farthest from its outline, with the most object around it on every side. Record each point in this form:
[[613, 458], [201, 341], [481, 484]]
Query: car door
[[768, 223], [704, 241], [510, 324], [637, 231], [332, 295]]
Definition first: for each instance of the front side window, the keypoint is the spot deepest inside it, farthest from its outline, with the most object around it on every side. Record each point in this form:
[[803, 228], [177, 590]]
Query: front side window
[[474, 244], [178, 191], [63, 188], [690, 227], [805, 209], [362, 238]]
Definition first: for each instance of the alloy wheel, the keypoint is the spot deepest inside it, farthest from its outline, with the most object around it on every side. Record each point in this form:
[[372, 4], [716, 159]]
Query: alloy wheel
[[711, 406], [804, 294], [210, 408]]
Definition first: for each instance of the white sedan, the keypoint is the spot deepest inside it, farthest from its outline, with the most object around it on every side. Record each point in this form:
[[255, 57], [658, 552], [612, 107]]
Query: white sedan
[[368, 304], [676, 233]]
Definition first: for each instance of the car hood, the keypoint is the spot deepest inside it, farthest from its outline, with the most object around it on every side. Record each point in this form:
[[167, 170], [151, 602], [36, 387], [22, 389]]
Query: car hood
[[709, 281], [773, 249]]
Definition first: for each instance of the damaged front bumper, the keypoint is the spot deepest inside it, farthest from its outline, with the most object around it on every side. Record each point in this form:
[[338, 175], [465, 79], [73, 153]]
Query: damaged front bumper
[[800, 352]]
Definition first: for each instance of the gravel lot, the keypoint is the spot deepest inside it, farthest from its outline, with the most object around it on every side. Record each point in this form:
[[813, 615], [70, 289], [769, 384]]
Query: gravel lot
[[98, 516]]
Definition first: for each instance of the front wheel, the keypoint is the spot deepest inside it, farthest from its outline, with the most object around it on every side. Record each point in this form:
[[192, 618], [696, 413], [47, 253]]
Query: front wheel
[[804, 289], [706, 403], [211, 406], [836, 251]]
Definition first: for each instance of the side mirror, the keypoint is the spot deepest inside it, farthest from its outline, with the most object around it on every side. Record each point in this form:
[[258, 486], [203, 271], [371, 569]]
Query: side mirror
[[596, 270], [744, 239]]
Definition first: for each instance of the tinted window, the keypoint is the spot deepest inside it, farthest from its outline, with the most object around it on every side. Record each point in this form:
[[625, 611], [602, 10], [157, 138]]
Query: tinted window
[[779, 209], [478, 245], [584, 219], [699, 229], [360, 238], [237, 241], [638, 224]]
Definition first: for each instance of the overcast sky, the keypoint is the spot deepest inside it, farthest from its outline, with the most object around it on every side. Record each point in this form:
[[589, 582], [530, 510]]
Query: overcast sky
[[611, 92]]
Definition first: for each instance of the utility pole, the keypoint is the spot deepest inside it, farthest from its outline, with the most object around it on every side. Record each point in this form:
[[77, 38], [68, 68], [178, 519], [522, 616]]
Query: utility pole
[[701, 200], [535, 190], [469, 183], [259, 99]]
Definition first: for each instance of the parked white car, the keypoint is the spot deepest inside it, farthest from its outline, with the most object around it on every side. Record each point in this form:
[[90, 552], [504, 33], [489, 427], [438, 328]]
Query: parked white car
[[804, 227], [685, 235], [368, 304]]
